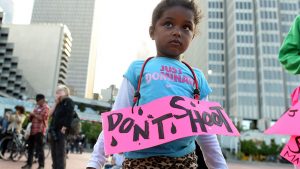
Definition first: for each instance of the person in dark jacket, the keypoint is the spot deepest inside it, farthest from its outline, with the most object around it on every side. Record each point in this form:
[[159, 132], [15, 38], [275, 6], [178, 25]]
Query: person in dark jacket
[[62, 113]]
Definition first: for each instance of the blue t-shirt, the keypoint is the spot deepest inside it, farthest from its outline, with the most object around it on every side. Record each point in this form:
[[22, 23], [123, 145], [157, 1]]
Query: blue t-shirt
[[166, 77]]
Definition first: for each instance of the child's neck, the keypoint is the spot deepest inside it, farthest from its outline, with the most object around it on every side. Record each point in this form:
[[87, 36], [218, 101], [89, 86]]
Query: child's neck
[[176, 57]]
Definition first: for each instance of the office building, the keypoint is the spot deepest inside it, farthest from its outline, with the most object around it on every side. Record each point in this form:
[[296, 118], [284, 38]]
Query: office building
[[43, 52], [80, 17], [242, 42], [12, 82]]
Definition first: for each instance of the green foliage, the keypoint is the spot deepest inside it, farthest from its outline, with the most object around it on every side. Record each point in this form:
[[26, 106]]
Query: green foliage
[[260, 150], [91, 130], [274, 148], [248, 147], [81, 107], [264, 149]]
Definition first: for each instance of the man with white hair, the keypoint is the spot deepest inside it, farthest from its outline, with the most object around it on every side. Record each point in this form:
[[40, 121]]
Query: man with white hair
[[62, 116]]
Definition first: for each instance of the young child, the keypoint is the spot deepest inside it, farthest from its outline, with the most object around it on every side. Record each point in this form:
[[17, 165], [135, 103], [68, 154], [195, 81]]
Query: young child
[[173, 27]]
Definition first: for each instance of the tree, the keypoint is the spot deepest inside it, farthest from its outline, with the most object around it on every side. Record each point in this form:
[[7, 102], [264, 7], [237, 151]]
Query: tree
[[91, 130]]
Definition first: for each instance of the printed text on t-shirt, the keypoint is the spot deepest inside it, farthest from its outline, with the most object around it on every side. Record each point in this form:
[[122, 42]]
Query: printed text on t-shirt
[[171, 74]]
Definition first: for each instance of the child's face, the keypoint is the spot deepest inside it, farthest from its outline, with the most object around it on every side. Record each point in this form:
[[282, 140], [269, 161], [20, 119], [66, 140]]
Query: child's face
[[173, 31]]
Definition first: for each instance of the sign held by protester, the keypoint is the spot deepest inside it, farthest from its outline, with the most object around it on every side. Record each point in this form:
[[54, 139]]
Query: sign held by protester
[[291, 150], [161, 121], [288, 123]]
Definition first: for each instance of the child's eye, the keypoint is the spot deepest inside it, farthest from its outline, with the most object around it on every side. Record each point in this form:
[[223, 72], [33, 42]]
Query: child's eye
[[187, 27], [168, 24]]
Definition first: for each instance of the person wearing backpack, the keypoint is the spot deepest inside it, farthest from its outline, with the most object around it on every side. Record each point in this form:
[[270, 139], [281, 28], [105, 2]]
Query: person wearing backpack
[[62, 116]]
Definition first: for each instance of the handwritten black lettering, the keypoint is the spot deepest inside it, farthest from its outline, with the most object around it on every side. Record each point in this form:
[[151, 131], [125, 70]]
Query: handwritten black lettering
[[294, 159], [123, 128], [217, 120], [298, 145], [174, 105], [111, 124], [207, 119], [160, 125], [196, 120], [292, 112], [218, 109], [113, 142], [137, 131]]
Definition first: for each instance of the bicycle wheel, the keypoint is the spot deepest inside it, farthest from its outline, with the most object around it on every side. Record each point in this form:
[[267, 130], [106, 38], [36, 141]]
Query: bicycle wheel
[[16, 152], [7, 148]]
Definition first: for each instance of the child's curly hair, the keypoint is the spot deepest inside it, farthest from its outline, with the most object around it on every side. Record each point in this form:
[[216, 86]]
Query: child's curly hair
[[165, 4]]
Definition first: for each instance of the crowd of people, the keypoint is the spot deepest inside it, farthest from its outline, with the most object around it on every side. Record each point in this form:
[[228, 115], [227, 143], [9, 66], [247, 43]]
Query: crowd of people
[[58, 127]]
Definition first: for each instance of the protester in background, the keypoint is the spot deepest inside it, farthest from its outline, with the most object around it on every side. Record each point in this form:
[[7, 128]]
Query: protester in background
[[289, 53], [17, 120], [4, 126], [62, 113], [5, 123], [39, 121]]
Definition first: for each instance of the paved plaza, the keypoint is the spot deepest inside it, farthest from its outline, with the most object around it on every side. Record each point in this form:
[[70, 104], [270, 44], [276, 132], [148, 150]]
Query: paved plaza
[[78, 161]]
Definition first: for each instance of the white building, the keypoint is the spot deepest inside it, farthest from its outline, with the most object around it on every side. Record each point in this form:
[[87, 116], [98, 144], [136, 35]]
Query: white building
[[43, 52], [240, 43], [79, 16]]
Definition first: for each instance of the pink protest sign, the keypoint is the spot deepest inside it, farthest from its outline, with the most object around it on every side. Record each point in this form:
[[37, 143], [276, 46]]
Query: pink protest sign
[[291, 150], [161, 121], [288, 123]]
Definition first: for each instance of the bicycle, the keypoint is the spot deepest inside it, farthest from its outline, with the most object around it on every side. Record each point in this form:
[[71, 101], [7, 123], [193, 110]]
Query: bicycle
[[14, 146]]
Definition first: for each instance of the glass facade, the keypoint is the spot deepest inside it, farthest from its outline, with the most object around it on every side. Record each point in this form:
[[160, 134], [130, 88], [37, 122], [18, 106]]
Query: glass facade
[[244, 38], [216, 52]]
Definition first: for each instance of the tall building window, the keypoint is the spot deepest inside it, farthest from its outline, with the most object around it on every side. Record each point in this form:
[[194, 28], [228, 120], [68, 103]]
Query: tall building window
[[245, 50], [217, 5], [243, 5], [271, 62], [216, 79], [215, 35], [247, 100], [216, 46], [274, 101], [216, 68], [268, 3], [247, 75], [272, 74], [273, 87], [215, 57], [247, 87], [246, 62]]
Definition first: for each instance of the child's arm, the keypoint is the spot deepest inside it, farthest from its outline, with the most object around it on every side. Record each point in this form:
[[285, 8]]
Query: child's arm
[[211, 149], [212, 152], [123, 100]]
